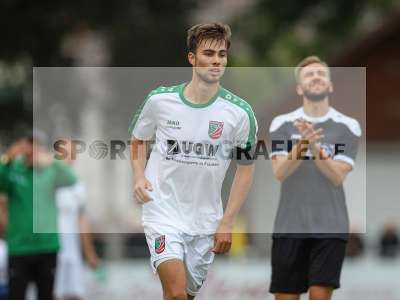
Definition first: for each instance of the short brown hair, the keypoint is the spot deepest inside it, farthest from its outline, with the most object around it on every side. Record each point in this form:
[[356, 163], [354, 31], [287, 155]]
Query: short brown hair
[[200, 32], [308, 61]]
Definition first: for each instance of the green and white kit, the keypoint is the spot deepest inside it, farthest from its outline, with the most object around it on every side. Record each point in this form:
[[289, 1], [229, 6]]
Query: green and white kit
[[192, 151]]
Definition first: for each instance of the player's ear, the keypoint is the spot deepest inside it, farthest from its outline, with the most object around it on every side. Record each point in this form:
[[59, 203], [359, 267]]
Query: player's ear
[[191, 58], [299, 90]]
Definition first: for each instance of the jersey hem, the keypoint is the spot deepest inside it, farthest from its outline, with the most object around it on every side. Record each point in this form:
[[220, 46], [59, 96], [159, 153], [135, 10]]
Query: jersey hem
[[33, 252], [154, 225]]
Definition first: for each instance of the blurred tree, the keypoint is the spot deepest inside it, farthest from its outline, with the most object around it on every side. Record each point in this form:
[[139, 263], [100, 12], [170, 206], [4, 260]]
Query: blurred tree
[[35, 33], [140, 32], [280, 33]]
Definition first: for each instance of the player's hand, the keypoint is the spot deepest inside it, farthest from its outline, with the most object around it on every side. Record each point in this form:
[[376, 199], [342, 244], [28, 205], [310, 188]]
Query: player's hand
[[223, 239], [308, 132], [42, 158], [142, 185], [18, 148]]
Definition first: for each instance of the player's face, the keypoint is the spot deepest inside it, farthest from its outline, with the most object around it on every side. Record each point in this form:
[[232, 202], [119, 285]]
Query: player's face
[[314, 82], [210, 60]]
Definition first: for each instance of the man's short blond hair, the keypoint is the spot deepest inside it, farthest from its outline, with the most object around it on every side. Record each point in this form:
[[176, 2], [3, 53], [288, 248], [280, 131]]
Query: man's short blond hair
[[308, 61]]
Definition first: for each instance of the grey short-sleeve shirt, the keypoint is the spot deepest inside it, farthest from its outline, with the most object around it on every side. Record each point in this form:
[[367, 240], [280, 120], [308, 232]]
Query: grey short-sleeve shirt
[[310, 205]]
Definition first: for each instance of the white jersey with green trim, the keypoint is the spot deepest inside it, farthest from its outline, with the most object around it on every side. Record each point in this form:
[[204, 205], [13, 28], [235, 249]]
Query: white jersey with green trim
[[192, 151]]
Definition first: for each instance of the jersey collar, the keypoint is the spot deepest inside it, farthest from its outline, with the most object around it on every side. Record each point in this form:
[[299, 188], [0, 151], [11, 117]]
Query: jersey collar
[[316, 119], [197, 105]]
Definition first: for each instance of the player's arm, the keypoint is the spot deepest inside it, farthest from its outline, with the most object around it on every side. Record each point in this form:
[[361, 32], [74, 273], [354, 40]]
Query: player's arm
[[16, 149], [3, 213], [4, 190], [142, 128], [285, 164], [87, 241], [238, 193], [244, 155], [335, 171], [336, 168], [65, 175], [138, 161]]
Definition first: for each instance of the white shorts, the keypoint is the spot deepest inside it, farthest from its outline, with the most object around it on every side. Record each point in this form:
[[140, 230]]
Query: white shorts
[[69, 278], [194, 251]]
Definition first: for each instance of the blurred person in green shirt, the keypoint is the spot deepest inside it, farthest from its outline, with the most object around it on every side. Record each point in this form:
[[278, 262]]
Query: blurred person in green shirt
[[29, 177]]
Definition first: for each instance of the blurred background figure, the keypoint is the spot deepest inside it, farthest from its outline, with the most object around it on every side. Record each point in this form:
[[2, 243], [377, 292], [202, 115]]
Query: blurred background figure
[[3, 269], [29, 178], [240, 241], [389, 242], [74, 233]]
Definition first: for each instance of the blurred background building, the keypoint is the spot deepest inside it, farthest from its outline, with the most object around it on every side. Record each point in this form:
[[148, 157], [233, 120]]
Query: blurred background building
[[266, 33]]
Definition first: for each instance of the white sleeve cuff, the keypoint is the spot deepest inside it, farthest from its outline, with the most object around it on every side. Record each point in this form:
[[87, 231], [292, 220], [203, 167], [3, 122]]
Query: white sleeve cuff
[[141, 136], [344, 158], [284, 153]]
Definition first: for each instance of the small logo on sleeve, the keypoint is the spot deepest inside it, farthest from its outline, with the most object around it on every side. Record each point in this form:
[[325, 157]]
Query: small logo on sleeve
[[159, 244], [215, 129]]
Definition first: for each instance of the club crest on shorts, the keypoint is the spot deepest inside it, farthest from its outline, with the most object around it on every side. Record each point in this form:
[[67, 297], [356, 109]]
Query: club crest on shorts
[[159, 244], [215, 129]]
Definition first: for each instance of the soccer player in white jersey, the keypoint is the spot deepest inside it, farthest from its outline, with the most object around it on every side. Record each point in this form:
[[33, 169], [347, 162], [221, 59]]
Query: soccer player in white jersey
[[73, 227], [197, 126], [311, 226]]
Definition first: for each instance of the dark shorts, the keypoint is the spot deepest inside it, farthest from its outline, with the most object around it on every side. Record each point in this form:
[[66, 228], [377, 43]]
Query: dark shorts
[[298, 264], [39, 268]]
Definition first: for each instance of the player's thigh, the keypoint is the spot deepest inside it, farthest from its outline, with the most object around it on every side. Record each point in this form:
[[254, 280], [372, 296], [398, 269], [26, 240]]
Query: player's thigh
[[173, 278], [287, 297], [198, 261]]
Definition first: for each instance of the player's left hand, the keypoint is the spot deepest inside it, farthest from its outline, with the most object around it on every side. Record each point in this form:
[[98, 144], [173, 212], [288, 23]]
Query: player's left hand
[[223, 239]]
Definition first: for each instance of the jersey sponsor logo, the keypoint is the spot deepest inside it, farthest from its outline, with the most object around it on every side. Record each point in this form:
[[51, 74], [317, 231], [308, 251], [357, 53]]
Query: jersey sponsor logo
[[187, 148], [173, 124], [159, 244], [215, 129]]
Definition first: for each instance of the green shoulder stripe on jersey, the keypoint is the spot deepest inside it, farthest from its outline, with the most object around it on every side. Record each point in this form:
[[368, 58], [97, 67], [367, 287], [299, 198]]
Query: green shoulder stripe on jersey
[[232, 98], [159, 90]]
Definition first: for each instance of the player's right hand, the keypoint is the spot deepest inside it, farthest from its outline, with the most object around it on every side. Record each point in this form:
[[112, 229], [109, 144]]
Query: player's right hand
[[142, 185]]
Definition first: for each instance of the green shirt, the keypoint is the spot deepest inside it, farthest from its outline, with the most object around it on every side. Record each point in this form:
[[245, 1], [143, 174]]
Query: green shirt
[[32, 212]]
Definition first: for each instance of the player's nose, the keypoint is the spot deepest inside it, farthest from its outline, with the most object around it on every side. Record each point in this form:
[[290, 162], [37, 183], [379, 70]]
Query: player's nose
[[216, 60]]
